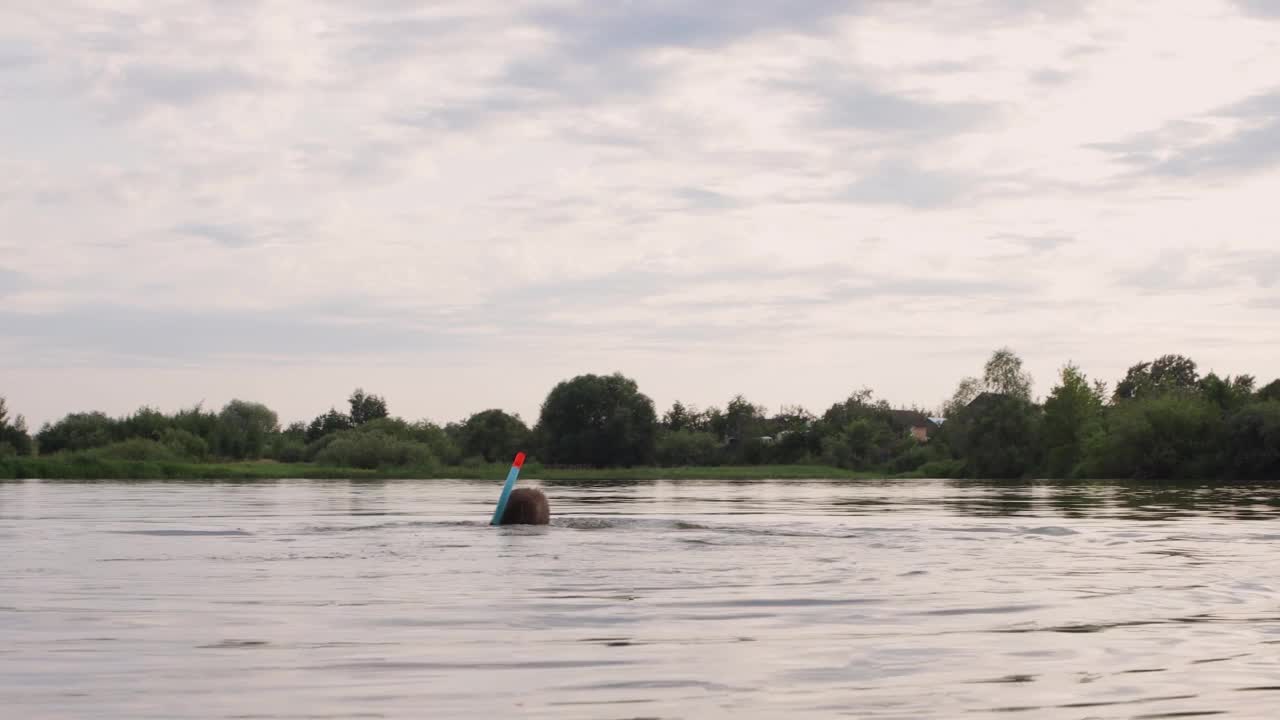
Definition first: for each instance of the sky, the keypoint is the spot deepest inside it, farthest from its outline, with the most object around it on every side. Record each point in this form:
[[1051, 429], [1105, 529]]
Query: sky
[[457, 204]]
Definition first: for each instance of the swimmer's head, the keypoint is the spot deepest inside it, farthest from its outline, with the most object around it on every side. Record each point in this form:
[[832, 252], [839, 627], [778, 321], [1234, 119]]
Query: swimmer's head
[[526, 506]]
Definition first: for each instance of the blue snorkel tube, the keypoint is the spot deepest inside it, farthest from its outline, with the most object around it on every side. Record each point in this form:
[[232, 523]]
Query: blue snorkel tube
[[506, 489]]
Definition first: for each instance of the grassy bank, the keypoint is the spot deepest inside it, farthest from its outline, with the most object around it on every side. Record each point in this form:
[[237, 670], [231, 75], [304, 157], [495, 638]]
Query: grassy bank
[[77, 467], [85, 468], [745, 472]]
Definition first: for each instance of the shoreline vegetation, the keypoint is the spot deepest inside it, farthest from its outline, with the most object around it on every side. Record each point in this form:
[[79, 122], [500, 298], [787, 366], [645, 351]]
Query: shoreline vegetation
[[1162, 421], [88, 469]]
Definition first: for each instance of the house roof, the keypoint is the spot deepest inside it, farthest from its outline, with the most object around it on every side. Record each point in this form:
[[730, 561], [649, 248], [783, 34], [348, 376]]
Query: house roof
[[911, 418], [986, 398]]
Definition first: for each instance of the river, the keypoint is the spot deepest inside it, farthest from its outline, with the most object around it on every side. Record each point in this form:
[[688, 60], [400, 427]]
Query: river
[[911, 599]]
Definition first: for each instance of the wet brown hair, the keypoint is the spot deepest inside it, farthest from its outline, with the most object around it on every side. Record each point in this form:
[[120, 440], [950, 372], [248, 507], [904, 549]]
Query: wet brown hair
[[526, 506]]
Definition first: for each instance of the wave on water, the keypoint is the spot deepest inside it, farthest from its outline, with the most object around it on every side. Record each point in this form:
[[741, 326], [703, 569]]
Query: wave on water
[[677, 525], [606, 523], [696, 531], [421, 524], [184, 533], [1045, 531]]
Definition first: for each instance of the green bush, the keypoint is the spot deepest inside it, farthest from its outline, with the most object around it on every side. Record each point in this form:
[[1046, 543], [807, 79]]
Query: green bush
[[318, 446], [998, 436], [494, 435], [836, 452], [937, 469], [196, 421], [136, 449], [185, 444], [795, 447], [677, 448], [243, 429], [1166, 437], [287, 450], [1252, 443], [911, 459], [474, 461], [862, 443], [77, 431], [146, 423], [441, 446], [372, 450]]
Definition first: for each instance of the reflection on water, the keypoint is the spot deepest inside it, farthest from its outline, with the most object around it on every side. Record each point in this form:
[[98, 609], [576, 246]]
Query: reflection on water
[[663, 600]]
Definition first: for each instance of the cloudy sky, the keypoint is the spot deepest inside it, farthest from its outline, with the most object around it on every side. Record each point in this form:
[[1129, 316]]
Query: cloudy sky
[[458, 203]]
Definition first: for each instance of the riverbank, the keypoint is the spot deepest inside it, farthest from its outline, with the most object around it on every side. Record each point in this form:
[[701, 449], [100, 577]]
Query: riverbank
[[89, 468]]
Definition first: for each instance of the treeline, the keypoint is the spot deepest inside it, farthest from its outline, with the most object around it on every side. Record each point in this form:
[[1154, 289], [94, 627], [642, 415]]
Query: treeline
[[1162, 421], [364, 436]]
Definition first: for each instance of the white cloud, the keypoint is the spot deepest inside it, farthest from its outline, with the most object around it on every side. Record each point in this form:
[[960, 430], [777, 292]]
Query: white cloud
[[763, 197]]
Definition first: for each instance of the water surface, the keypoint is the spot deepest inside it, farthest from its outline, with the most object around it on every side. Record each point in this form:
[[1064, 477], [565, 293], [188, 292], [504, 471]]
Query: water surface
[[788, 599]]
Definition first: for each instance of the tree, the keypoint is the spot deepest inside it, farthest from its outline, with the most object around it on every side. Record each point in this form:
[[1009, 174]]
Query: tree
[[1072, 413], [968, 389], [861, 403], [327, 424], [387, 442], [243, 430], [794, 435], [77, 431], [997, 436], [1252, 443], [858, 433], [1004, 375], [741, 427], [679, 417], [1270, 392], [1168, 373], [197, 421], [862, 443], [1164, 437], [684, 447], [710, 420], [1228, 394], [184, 444], [791, 418], [369, 448], [442, 446], [14, 434], [147, 423], [743, 418], [366, 407], [290, 445], [596, 420], [493, 435]]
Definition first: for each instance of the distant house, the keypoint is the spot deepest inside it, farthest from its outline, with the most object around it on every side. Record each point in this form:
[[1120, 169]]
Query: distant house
[[921, 426], [732, 440]]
